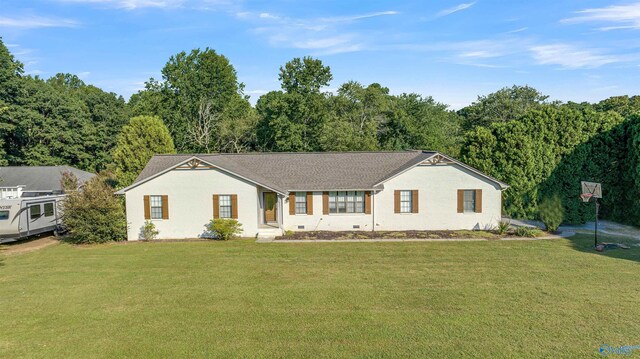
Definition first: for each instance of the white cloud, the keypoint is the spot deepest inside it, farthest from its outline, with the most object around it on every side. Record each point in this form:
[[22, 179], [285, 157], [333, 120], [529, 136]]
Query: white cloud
[[324, 36], [34, 22], [357, 17], [620, 16], [133, 4], [34, 72], [455, 9], [266, 15], [323, 43], [572, 57], [83, 75], [517, 30]]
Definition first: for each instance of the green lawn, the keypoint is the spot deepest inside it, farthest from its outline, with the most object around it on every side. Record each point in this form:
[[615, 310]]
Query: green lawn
[[547, 298]]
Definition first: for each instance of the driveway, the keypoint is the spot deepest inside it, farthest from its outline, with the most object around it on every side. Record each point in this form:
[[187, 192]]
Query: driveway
[[28, 245], [604, 227]]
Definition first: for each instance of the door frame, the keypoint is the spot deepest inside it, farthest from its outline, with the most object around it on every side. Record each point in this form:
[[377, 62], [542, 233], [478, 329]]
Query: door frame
[[264, 207]]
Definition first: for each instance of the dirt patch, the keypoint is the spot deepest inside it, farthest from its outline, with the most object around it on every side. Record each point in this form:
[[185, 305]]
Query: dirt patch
[[28, 245], [330, 235]]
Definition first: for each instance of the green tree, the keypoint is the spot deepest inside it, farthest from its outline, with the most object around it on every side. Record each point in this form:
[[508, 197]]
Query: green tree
[[10, 88], [504, 105], [550, 149], [356, 117], [304, 76], [421, 123], [57, 121], [139, 140], [624, 105], [94, 214], [292, 120], [11, 71], [107, 114], [199, 96]]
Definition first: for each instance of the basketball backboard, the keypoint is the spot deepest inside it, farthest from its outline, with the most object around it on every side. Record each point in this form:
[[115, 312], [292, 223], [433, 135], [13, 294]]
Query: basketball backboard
[[592, 188]]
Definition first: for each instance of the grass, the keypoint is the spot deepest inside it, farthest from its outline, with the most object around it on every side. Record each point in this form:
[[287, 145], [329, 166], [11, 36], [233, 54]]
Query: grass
[[546, 298]]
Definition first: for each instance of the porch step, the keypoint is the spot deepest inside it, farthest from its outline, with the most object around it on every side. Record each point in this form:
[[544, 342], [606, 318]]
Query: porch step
[[269, 232]]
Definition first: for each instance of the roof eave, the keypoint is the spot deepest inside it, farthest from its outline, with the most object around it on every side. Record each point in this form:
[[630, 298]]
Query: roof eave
[[502, 185], [137, 183]]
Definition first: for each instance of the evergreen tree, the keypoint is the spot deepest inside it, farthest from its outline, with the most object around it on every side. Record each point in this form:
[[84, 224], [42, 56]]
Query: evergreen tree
[[140, 139]]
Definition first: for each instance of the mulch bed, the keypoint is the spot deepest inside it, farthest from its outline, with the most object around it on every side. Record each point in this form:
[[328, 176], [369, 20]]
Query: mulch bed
[[330, 235]]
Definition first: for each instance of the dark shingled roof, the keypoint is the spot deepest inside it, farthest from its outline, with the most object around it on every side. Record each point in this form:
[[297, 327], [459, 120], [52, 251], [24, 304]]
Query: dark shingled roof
[[39, 178], [302, 171]]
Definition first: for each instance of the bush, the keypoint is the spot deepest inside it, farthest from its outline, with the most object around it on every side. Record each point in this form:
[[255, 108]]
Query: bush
[[503, 227], [551, 212], [225, 228], [527, 232], [148, 232], [69, 182], [94, 214]]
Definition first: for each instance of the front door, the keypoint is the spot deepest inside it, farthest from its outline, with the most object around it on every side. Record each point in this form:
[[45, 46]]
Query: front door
[[270, 201]]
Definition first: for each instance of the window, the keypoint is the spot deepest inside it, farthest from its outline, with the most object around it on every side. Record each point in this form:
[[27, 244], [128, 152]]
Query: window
[[34, 211], [156, 207], [469, 200], [301, 202], [4, 215], [48, 209], [346, 202], [225, 206], [406, 204]]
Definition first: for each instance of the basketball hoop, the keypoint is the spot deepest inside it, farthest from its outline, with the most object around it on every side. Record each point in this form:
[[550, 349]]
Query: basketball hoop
[[586, 197]]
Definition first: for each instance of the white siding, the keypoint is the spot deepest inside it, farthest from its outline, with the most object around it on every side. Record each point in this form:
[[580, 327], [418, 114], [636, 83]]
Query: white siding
[[190, 194]]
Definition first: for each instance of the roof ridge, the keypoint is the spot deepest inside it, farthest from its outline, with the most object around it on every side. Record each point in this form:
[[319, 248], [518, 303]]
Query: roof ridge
[[287, 153]]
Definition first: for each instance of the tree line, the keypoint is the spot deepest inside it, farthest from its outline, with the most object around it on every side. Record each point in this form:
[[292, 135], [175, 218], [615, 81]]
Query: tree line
[[541, 148]]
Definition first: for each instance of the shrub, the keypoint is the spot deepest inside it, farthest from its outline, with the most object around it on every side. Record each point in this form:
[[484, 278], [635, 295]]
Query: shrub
[[94, 214], [148, 232], [527, 232], [225, 228], [69, 182], [551, 212], [503, 227]]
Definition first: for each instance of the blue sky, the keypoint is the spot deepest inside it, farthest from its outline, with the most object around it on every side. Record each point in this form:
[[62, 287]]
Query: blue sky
[[454, 51]]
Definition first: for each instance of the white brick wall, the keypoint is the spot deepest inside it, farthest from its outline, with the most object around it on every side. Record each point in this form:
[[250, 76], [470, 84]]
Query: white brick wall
[[190, 203]]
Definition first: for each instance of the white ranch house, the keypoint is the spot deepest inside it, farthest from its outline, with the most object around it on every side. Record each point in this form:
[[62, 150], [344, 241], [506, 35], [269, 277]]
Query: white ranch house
[[334, 191]]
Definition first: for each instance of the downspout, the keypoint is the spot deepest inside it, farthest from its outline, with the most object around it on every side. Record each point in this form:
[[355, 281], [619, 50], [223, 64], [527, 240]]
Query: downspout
[[373, 211], [280, 212]]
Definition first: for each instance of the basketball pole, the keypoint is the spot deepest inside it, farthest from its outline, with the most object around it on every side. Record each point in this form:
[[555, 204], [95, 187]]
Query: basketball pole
[[595, 233]]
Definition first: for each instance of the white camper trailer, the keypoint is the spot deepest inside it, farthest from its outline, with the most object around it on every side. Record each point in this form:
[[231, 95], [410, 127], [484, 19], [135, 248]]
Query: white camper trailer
[[31, 198], [28, 216]]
